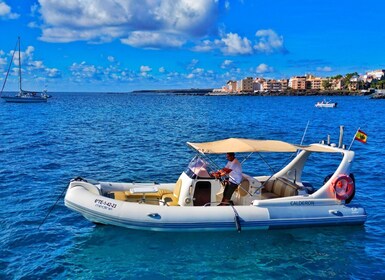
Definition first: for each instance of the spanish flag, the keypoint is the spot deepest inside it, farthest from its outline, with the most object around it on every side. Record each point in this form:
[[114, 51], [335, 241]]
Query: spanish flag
[[361, 136]]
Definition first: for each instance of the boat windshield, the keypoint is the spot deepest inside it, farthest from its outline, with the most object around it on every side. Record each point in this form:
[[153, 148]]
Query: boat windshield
[[198, 168]]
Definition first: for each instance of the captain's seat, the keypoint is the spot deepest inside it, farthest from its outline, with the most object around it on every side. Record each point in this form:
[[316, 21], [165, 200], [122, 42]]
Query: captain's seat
[[244, 186], [241, 192]]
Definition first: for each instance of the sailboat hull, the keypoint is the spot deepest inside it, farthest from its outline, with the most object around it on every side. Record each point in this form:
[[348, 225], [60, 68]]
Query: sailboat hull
[[24, 99]]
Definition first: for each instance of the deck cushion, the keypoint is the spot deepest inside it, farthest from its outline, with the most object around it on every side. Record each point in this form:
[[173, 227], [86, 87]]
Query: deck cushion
[[126, 195], [280, 187], [159, 193]]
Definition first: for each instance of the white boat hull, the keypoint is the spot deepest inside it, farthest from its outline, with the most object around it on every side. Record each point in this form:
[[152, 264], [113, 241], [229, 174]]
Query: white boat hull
[[326, 105], [19, 99], [261, 215]]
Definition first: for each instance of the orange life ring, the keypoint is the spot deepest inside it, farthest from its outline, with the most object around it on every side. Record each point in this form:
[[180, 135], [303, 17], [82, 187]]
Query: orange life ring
[[343, 187]]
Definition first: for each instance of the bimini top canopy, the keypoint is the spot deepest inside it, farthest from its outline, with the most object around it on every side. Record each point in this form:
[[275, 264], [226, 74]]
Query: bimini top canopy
[[241, 145]]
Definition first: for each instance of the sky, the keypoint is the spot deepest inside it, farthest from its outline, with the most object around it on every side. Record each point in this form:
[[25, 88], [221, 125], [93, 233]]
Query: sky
[[126, 45]]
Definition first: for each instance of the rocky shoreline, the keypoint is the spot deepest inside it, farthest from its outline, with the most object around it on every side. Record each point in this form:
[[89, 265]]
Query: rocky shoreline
[[267, 93]]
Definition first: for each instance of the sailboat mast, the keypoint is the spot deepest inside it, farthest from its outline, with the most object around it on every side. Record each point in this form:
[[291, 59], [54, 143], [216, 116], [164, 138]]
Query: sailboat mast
[[9, 68], [19, 66]]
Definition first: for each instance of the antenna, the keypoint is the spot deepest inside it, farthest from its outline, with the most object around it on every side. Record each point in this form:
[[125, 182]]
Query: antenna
[[304, 133]]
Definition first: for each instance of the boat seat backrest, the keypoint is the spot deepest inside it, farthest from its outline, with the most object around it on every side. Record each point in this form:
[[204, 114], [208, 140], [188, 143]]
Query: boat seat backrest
[[178, 186], [173, 198], [283, 187], [243, 187], [290, 191], [268, 186], [279, 188]]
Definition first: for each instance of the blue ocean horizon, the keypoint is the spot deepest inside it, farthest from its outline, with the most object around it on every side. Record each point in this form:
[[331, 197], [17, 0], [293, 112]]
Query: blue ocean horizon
[[142, 137]]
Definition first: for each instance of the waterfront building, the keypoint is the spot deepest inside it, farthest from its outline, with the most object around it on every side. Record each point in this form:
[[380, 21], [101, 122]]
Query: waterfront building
[[298, 83], [258, 85], [284, 84], [375, 74], [272, 85], [354, 82], [231, 86], [336, 84], [314, 83], [239, 85], [246, 85]]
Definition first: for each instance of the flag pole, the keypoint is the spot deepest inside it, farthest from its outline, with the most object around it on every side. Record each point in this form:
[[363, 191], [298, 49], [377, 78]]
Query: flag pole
[[354, 137]]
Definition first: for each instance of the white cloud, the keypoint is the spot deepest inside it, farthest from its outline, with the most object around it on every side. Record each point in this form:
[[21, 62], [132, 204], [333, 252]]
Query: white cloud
[[227, 63], [93, 34], [83, 71], [324, 69], [153, 40], [34, 9], [111, 58], [198, 70], [264, 68], [37, 64], [227, 5], [5, 11], [194, 62], [151, 24], [104, 20], [233, 44], [85, 74], [205, 46], [145, 68], [29, 51], [269, 41], [3, 60], [30, 67], [88, 73], [53, 72]]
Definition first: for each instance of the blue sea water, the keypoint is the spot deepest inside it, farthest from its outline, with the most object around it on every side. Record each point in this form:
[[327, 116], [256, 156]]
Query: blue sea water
[[132, 137]]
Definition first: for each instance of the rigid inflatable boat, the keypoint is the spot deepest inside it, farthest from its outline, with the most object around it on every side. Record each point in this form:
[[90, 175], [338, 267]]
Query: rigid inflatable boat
[[325, 104], [280, 199]]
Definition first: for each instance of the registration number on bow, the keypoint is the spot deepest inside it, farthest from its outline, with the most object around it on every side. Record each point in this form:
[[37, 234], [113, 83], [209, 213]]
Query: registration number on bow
[[105, 204]]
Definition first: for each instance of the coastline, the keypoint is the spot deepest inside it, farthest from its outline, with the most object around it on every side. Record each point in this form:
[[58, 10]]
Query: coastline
[[296, 93], [210, 92]]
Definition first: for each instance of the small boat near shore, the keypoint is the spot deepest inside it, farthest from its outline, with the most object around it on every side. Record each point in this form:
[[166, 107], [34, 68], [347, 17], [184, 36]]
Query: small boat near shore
[[282, 199], [326, 104], [23, 96], [378, 94]]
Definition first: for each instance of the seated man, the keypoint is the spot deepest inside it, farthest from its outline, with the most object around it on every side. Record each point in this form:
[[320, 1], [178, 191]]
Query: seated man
[[233, 170]]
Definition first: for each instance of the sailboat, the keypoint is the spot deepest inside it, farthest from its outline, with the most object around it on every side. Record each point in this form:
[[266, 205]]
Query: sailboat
[[23, 96]]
